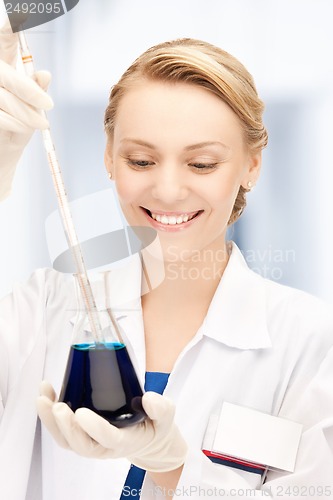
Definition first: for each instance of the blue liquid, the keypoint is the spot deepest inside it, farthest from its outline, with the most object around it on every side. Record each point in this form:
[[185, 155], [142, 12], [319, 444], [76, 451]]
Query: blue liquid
[[102, 378]]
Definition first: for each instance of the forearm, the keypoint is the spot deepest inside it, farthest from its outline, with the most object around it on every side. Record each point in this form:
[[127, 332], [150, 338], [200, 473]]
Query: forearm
[[167, 481]]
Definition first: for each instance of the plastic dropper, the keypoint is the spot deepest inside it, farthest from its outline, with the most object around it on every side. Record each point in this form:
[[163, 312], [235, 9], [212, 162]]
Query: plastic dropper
[[67, 220]]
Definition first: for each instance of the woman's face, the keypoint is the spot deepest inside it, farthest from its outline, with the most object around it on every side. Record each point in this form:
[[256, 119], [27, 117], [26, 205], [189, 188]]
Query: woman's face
[[178, 159]]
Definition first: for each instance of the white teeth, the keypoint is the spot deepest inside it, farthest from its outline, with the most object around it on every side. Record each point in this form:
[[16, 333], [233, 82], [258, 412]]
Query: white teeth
[[172, 219]]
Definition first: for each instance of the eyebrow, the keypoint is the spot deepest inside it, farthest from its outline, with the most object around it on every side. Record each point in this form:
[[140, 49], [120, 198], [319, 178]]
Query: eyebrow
[[206, 143], [188, 148], [139, 142]]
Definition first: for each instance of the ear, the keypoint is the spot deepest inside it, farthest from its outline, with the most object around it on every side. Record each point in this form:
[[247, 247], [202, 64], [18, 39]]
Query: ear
[[252, 170], [108, 158]]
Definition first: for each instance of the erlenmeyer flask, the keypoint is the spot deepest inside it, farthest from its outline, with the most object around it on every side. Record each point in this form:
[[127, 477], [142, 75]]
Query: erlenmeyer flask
[[100, 375]]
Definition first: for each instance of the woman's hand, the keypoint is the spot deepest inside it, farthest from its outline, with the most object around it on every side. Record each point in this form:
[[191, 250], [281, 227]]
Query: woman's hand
[[155, 444], [21, 99]]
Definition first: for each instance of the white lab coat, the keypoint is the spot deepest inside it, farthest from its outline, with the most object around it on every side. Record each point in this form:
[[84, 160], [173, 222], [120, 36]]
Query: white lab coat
[[261, 345]]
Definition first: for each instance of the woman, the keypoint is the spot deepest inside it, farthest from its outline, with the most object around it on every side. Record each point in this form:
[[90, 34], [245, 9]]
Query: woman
[[184, 139]]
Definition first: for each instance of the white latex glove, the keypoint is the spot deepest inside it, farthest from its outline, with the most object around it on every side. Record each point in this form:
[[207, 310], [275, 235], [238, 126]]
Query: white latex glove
[[20, 99], [155, 444]]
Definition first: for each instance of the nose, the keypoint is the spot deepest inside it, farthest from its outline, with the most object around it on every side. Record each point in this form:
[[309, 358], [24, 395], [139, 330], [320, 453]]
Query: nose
[[169, 184]]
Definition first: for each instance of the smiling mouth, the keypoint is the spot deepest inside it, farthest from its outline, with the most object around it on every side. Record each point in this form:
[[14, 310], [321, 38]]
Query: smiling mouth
[[172, 220]]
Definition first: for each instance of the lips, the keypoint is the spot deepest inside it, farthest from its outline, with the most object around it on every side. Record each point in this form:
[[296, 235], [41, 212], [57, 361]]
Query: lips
[[172, 218]]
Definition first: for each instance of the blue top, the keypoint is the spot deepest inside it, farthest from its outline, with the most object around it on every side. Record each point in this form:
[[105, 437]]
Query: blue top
[[156, 382]]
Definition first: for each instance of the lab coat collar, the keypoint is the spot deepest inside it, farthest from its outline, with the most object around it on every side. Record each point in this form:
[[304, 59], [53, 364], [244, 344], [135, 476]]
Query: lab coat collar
[[237, 313]]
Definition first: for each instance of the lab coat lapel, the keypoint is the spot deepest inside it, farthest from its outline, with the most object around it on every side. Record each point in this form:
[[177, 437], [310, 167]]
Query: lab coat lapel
[[237, 313]]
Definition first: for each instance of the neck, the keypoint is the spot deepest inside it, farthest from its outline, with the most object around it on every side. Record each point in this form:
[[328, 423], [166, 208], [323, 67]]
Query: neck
[[197, 275], [174, 310]]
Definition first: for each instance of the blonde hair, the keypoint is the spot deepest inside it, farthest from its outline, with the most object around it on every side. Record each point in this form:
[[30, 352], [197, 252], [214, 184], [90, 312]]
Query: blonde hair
[[199, 63]]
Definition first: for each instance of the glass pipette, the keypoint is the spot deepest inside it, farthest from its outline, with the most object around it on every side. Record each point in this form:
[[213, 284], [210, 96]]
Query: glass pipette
[[67, 220]]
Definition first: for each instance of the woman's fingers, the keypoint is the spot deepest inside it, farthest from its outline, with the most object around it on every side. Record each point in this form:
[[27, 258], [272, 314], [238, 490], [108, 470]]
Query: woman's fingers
[[77, 439], [44, 409], [29, 116], [8, 44], [24, 87]]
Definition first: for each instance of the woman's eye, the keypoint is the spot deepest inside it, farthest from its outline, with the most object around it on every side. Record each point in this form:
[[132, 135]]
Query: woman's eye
[[203, 166], [139, 163]]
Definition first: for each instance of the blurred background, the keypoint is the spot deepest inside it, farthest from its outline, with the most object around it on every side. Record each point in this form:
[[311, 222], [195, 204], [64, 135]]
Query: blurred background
[[286, 232]]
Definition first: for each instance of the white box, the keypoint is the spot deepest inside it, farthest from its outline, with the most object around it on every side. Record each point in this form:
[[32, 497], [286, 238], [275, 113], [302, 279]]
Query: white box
[[257, 437]]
